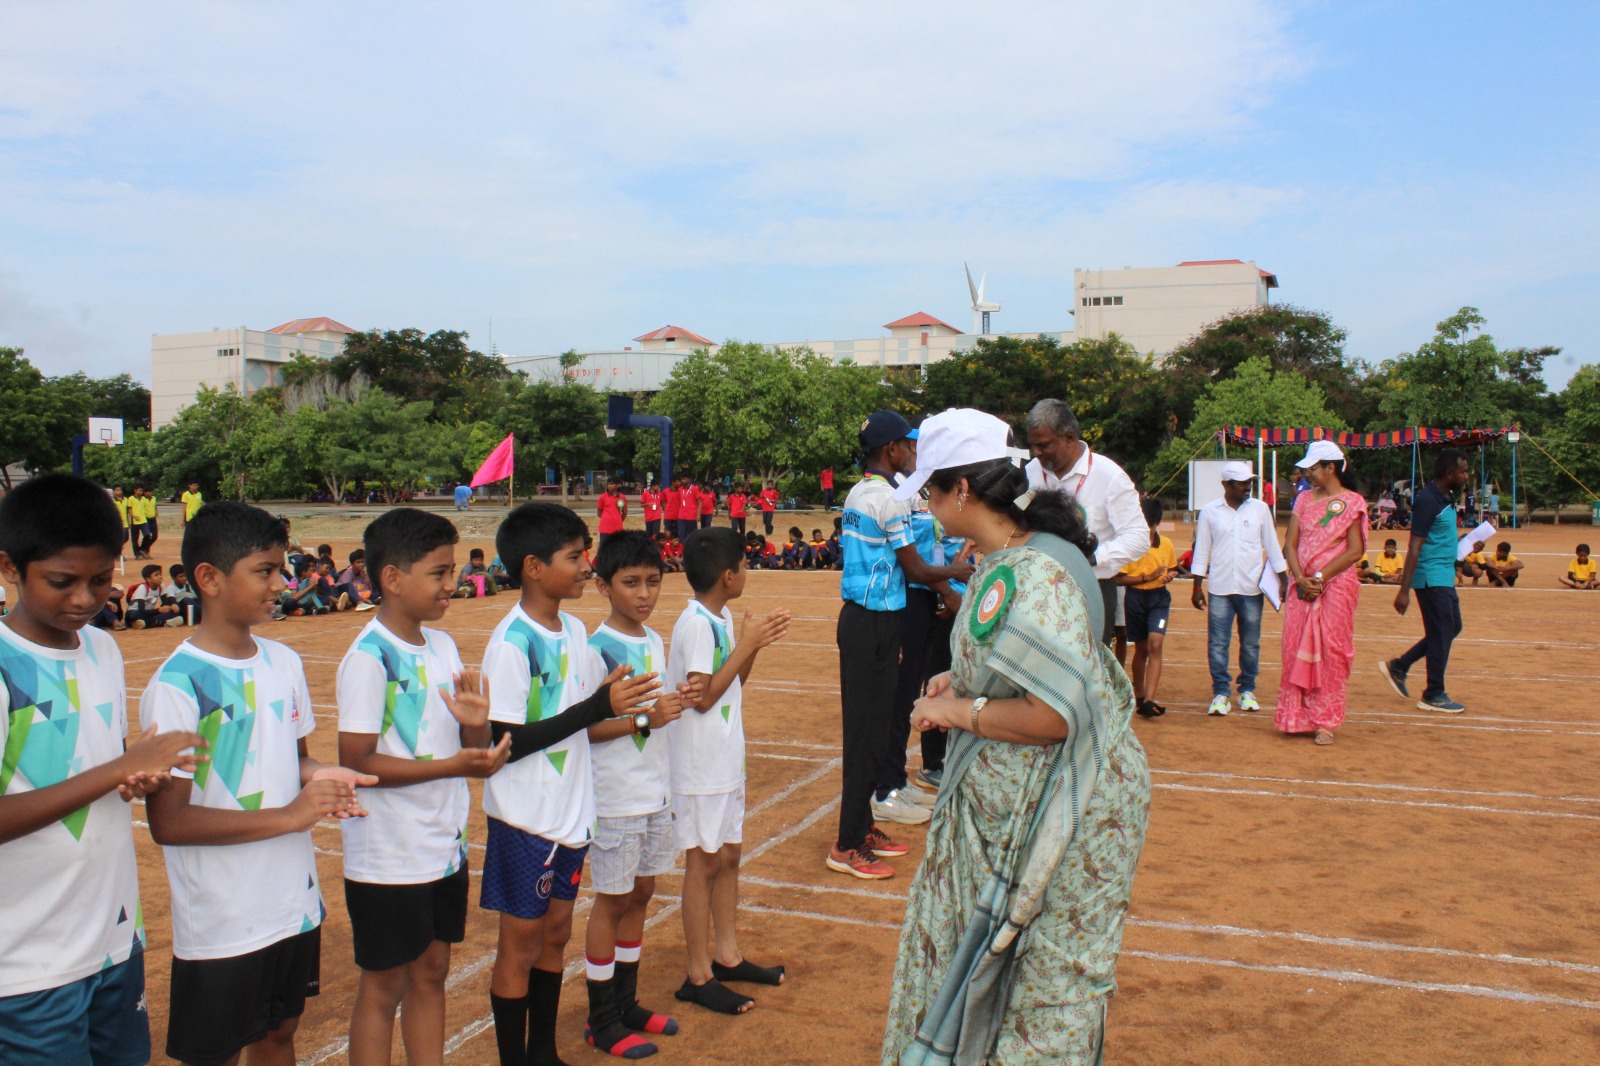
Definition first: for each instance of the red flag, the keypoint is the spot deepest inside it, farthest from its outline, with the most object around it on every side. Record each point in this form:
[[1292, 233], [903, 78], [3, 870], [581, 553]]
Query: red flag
[[497, 467]]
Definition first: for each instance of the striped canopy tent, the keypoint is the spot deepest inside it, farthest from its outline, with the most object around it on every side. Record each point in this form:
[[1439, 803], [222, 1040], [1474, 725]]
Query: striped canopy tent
[[1394, 438]]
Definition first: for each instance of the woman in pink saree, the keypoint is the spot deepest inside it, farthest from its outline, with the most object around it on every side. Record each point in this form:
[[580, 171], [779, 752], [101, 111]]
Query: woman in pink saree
[[1327, 537]]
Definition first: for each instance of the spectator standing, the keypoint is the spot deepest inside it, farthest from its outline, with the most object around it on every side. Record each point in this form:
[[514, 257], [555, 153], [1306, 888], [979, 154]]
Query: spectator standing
[[1234, 540], [192, 502], [1101, 487], [650, 503], [738, 508], [826, 479], [1431, 572]]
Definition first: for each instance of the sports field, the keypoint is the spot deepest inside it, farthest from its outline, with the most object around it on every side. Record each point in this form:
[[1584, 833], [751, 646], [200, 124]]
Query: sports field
[[1421, 892]]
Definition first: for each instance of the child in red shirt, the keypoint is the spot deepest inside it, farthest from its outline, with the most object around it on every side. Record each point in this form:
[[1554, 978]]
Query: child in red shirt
[[688, 508], [669, 503], [708, 505], [738, 507], [769, 503], [612, 508], [650, 500]]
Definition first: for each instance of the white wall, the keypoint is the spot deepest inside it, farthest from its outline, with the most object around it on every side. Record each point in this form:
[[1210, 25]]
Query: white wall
[[1157, 309], [180, 363]]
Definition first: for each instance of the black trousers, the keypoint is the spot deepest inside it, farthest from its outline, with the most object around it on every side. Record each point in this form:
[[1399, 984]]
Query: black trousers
[[766, 520], [916, 627], [685, 527], [1108, 597], [934, 741], [738, 524], [827, 499], [1441, 624], [869, 650]]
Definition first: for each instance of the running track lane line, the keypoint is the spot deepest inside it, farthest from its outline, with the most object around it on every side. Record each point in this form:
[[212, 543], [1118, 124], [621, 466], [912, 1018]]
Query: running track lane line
[[1291, 794]]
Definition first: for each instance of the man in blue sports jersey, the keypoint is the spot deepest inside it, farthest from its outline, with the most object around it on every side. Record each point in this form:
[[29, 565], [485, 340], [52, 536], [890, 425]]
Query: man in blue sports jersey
[[879, 557]]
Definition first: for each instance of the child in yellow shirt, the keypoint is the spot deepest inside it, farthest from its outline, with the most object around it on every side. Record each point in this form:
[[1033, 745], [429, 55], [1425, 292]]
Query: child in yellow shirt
[[1387, 567], [1146, 609], [1582, 572]]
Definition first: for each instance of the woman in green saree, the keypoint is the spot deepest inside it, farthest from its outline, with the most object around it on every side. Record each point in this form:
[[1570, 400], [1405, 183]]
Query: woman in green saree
[[1009, 949]]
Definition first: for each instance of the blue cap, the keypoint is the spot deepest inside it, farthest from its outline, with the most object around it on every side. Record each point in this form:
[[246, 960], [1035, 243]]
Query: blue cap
[[883, 427]]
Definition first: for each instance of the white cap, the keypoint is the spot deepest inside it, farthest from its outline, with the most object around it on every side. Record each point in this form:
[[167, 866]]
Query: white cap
[[1321, 451], [1238, 471], [955, 437]]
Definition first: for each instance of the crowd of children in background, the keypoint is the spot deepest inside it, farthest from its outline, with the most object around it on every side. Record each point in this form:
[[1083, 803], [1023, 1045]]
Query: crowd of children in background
[[588, 755]]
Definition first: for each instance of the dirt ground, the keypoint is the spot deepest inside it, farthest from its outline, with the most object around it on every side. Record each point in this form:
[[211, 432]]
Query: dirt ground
[[1420, 892]]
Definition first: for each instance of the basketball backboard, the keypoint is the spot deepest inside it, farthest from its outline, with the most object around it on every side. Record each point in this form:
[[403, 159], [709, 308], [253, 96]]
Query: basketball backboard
[[105, 431]]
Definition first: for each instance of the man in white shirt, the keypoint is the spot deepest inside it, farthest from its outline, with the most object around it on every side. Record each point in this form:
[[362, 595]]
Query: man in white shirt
[[1234, 538], [1110, 502]]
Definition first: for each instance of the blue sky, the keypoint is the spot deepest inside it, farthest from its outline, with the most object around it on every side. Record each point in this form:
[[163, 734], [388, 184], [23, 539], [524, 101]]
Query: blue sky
[[583, 173]]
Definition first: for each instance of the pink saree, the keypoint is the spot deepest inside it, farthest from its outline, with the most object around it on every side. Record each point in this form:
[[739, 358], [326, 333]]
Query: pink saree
[[1319, 637]]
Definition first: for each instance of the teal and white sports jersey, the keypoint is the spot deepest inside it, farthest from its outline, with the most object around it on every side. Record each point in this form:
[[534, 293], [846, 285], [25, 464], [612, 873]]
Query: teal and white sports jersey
[[71, 889], [874, 526], [231, 899], [631, 773], [418, 833], [535, 673], [707, 748]]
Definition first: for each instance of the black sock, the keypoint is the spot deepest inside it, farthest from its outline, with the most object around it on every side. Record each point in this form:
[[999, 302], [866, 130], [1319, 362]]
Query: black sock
[[510, 1029], [544, 1003]]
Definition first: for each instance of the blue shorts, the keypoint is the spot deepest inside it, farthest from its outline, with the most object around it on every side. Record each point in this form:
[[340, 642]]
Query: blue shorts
[[1145, 612], [100, 1019], [522, 872]]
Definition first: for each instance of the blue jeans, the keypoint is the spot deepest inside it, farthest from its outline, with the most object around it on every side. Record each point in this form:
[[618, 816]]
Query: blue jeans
[[1220, 614]]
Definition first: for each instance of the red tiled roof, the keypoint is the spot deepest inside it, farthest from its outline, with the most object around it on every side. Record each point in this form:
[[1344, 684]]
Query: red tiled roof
[[921, 318], [312, 325], [672, 333]]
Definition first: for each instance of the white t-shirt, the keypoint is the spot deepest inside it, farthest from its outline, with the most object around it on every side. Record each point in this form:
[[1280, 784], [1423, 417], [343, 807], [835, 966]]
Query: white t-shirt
[[418, 833], [71, 889], [535, 673], [631, 773], [232, 899], [707, 747]]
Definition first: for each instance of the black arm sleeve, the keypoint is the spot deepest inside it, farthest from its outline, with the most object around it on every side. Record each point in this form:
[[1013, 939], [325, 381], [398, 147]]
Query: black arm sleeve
[[531, 737]]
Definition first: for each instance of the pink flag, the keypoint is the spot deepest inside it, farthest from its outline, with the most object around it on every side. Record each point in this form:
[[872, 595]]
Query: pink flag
[[497, 467]]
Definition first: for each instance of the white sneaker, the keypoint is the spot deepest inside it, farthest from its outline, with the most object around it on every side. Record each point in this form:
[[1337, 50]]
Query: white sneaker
[[897, 808], [1219, 705], [919, 797], [1248, 702]]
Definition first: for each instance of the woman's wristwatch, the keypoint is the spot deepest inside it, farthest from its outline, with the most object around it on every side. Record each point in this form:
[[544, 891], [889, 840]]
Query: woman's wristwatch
[[972, 720], [641, 724]]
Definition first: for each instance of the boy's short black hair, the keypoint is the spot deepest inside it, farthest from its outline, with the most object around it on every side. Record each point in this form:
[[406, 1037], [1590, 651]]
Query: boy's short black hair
[[400, 537], [838, 525], [710, 553], [305, 563], [475, 553], [1153, 510], [1503, 546], [751, 537], [324, 549], [358, 555], [816, 532], [1583, 547], [539, 530], [41, 517], [794, 531], [1446, 461], [1392, 541], [223, 532], [153, 568], [175, 570], [625, 550]]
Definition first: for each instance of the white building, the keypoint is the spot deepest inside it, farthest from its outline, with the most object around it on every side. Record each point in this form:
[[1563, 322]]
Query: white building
[[1156, 309], [248, 359]]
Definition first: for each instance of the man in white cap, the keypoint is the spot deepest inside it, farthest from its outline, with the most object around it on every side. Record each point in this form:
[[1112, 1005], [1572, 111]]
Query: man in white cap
[[1102, 488], [1234, 539]]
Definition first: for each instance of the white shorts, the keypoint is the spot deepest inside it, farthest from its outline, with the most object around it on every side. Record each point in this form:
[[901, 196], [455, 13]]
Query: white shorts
[[1122, 605], [708, 822], [628, 847]]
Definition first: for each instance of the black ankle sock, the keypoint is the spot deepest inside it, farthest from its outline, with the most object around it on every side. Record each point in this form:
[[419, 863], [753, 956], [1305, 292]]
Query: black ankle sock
[[544, 1003], [510, 1029]]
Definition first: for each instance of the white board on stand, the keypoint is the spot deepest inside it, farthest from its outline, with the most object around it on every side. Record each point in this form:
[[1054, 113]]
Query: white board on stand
[[1205, 482], [105, 431]]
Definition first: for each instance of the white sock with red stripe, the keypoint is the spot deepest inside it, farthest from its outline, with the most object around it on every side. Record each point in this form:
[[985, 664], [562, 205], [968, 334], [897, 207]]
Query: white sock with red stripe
[[599, 969]]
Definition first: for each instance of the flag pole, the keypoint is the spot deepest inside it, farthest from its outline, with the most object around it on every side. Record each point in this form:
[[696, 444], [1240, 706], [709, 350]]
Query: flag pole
[[511, 489]]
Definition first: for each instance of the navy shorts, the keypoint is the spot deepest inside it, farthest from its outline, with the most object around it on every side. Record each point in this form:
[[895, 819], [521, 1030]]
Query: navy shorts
[[522, 872], [100, 1019], [1146, 611]]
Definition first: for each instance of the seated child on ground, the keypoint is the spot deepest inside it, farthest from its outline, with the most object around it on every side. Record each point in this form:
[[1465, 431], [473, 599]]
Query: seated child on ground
[[1474, 565], [1582, 572], [181, 594], [474, 579], [146, 607], [819, 551], [1386, 568], [1146, 608], [72, 941], [707, 752], [1502, 567], [796, 553]]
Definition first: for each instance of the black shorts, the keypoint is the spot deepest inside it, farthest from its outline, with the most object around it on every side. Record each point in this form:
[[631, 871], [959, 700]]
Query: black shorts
[[392, 925], [1146, 612], [219, 1006]]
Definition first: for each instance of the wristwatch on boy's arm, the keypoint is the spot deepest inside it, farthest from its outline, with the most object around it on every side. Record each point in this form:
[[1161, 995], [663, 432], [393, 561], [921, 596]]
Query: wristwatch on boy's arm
[[641, 724]]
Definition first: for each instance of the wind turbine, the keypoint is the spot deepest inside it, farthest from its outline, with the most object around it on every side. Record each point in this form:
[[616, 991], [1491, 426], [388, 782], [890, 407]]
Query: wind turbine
[[980, 309]]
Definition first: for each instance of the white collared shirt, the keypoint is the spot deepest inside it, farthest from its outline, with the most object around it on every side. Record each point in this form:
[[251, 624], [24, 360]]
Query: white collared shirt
[[1111, 504], [1229, 546]]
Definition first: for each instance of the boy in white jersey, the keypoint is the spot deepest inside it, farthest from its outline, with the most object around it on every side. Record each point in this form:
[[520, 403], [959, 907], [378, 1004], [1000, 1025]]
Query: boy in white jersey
[[707, 750], [72, 933], [543, 694], [246, 910], [633, 839], [412, 717]]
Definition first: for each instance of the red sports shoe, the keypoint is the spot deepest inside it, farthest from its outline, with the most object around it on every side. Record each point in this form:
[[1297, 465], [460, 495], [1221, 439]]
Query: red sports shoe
[[858, 864], [879, 844]]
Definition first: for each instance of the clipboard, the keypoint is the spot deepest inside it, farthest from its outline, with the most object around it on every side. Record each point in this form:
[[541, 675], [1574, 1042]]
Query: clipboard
[[1268, 584]]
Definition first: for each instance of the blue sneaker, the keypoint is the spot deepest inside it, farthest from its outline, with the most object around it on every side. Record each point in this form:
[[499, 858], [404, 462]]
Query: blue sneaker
[[1396, 678], [930, 779], [1441, 703]]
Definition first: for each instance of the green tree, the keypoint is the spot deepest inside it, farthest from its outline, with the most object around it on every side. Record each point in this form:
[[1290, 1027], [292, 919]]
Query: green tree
[[1452, 381], [212, 441], [558, 424], [124, 465], [1574, 440], [460, 384], [1255, 395], [382, 439], [115, 397], [39, 416]]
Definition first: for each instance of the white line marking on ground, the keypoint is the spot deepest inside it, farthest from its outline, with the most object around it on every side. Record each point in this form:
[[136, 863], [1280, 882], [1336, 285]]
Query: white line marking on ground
[[1291, 794], [1376, 785]]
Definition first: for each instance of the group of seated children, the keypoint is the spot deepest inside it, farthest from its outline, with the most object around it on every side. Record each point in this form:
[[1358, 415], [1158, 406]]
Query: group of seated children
[[1582, 572], [315, 585], [797, 553], [478, 579], [581, 745], [1501, 568], [149, 604], [1385, 568], [671, 550]]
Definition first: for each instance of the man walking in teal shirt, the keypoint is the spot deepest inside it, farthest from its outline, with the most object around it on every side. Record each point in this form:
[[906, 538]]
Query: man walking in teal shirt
[[1431, 571]]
